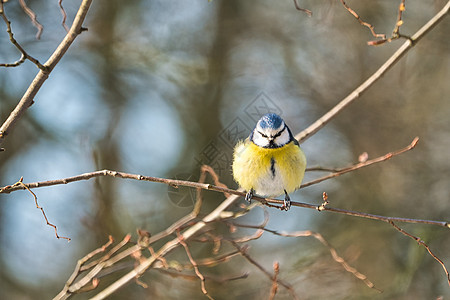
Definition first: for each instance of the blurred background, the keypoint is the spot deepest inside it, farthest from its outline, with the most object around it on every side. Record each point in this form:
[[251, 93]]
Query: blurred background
[[158, 88]]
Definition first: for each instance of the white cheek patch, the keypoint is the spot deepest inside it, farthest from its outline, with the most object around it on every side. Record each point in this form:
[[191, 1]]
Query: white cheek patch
[[283, 139], [259, 140]]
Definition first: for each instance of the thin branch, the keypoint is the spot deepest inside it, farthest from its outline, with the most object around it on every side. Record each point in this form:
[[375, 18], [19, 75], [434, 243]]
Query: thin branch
[[41, 77], [274, 288], [91, 276], [395, 33], [33, 18], [64, 16], [418, 240], [401, 9], [168, 247], [194, 264], [265, 201], [243, 251], [313, 128], [173, 182], [212, 278], [151, 239], [341, 171], [323, 241], [370, 26], [307, 11], [24, 55], [42, 210], [63, 294]]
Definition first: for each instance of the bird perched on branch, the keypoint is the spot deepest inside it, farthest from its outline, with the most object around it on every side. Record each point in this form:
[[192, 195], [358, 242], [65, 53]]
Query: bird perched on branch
[[269, 162]]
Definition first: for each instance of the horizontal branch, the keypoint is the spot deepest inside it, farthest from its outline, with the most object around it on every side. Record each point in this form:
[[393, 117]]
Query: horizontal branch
[[205, 186]]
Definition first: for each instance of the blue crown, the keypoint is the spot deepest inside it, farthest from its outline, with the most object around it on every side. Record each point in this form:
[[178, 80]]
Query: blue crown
[[270, 121]]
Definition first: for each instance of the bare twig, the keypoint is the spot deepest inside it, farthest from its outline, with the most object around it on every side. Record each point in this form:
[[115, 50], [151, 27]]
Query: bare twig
[[341, 171], [64, 16], [184, 220], [265, 201], [42, 210], [95, 268], [407, 45], [401, 9], [24, 54], [243, 251], [276, 271], [41, 77], [370, 26], [418, 240], [297, 6], [166, 248], [171, 245], [63, 294], [209, 277], [33, 18], [194, 264], [382, 37], [207, 169], [324, 242]]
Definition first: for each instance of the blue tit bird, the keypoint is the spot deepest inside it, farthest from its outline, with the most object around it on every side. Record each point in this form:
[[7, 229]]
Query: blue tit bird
[[270, 161]]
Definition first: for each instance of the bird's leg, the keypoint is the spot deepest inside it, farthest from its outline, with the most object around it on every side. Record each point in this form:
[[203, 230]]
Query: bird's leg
[[287, 201], [249, 196]]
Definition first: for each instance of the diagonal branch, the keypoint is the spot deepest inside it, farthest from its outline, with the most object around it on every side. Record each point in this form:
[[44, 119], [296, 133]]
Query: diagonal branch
[[195, 265], [42, 76], [407, 45], [243, 251], [370, 26], [323, 241], [418, 240], [341, 171]]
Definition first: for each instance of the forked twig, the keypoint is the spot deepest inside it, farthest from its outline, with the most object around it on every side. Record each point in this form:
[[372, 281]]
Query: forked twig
[[265, 201], [341, 171], [274, 288], [45, 70], [382, 37], [194, 264], [418, 240], [401, 9], [42, 210], [83, 260], [324, 242], [95, 268], [24, 55], [404, 48], [243, 251]]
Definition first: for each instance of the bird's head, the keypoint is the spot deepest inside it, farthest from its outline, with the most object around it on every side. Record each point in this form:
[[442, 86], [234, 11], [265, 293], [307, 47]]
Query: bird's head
[[271, 132]]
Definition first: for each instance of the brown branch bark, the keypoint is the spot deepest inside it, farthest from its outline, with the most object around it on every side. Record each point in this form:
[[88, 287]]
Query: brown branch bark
[[42, 76], [225, 190], [407, 45]]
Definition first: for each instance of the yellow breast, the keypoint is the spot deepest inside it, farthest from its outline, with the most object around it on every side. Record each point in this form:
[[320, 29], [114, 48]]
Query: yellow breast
[[269, 171]]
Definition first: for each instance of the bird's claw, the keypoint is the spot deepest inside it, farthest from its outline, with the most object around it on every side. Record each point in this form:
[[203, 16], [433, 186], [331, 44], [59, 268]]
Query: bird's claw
[[287, 202], [248, 196]]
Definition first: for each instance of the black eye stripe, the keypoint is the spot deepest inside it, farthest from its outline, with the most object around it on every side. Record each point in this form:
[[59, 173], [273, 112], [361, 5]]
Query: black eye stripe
[[279, 132], [262, 134]]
